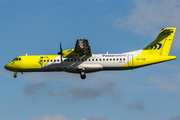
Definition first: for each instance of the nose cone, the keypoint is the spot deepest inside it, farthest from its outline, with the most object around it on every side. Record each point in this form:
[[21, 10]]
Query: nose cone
[[7, 66]]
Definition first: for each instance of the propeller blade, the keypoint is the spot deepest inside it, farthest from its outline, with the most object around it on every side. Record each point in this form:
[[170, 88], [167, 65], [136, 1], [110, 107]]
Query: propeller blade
[[60, 48], [60, 53], [61, 59]]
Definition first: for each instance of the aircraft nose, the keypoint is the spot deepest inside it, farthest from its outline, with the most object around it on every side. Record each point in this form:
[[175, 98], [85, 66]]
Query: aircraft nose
[[7, 66]]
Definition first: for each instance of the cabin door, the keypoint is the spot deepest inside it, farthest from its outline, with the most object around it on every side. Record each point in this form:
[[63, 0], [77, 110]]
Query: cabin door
[[130, 59], [41, 61]]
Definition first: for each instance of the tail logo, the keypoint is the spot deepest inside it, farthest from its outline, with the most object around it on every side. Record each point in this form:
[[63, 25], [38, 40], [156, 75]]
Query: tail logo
[[154, 47]]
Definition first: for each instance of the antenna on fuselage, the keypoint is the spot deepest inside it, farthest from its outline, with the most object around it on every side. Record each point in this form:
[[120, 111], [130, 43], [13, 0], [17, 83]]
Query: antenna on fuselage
[[26, 54]]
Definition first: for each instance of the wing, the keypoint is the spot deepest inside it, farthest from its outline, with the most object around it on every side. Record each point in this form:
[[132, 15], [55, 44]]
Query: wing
[[82, 47]]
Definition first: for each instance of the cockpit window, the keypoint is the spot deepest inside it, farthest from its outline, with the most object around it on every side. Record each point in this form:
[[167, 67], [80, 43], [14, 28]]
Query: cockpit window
[[16, 59]]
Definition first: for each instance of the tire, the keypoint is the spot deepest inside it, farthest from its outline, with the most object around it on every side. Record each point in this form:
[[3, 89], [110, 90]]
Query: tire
[[15, 76], [83, 76]]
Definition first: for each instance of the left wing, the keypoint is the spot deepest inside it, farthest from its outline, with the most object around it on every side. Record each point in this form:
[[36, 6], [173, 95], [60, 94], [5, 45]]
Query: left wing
[[82, 47]]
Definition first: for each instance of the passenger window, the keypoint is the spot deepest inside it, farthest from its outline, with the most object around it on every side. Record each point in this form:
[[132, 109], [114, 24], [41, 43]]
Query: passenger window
[[47, 60], [99, 59], [110, 59], [71, 60], [40, 60], [89, 59], [54, 60], [65, 60], [123, 58], [68, 60], [85, 60], [75, 60], [114, 59], [120, 59], [44, 60], [82, 60], [19, 59], [117, 59], [106, 59], [51, 60], [92, 59], [103, 59], [96, 59]]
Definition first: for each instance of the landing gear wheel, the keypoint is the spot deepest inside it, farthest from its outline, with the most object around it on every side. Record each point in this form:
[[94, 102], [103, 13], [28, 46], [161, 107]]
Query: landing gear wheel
[[15, 76], [83, 75]]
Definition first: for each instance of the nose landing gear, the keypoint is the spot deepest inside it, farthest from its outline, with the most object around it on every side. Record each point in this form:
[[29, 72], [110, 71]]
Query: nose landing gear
[[15, 74]]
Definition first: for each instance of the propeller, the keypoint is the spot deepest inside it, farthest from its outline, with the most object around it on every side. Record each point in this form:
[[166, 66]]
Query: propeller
[[60, 53]]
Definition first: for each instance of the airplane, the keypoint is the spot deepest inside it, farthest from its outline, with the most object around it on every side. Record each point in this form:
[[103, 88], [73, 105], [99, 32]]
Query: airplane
[[81, 60]]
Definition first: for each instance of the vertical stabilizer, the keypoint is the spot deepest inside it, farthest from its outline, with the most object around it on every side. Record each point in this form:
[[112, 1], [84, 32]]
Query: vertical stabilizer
[[162, 44]]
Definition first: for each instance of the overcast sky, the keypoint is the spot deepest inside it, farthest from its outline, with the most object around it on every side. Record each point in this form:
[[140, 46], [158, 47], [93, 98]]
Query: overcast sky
[[118, 26]]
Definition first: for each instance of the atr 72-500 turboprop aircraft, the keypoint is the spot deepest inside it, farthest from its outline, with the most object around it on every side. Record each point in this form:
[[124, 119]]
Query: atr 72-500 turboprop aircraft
[[81, 60]]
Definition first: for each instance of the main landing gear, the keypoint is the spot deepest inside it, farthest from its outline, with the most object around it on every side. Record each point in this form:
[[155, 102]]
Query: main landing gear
[[83, 74]]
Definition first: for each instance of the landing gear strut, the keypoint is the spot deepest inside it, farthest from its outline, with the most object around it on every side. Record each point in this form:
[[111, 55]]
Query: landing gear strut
[[83, 74]]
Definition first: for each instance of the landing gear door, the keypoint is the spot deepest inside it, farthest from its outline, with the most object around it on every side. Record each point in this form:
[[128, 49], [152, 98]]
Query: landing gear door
[[130, 60]]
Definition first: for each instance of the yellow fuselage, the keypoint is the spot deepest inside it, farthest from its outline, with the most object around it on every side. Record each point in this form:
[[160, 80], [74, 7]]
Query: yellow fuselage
[[42, 63]]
